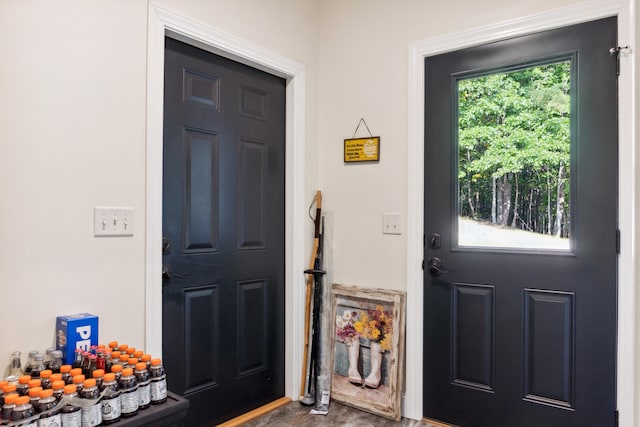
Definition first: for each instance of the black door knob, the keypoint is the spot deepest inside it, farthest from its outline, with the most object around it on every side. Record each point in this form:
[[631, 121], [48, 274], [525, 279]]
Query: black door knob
[[166, 246], [166, 273], [433, 265]]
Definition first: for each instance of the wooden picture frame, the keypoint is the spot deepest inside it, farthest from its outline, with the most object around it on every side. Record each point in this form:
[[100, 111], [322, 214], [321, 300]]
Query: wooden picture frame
[[368, 349]]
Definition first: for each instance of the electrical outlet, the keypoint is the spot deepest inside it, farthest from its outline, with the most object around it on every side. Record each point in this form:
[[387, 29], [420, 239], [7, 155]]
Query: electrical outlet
[[391, 223], [112, 221]]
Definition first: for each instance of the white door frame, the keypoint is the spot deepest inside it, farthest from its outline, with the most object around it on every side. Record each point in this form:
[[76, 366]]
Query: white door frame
[[161, 22], [627, 177]]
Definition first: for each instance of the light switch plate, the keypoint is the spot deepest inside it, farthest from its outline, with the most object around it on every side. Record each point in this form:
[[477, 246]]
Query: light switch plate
[[391, 223], [109, 221]]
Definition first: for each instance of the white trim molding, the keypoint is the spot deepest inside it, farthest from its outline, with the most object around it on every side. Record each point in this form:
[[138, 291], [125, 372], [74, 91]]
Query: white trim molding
[[162, 22], [582, 12]]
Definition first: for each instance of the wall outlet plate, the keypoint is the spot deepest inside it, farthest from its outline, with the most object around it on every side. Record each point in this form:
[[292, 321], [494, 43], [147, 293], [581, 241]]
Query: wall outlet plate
[[112, 221]]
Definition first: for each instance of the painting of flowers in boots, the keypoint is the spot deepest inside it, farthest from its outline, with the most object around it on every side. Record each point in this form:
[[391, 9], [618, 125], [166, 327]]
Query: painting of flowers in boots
[[368, 346]]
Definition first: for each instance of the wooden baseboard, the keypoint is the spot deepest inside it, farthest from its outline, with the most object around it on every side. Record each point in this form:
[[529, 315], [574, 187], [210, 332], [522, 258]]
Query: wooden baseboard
[[435, 423], [255, 413]]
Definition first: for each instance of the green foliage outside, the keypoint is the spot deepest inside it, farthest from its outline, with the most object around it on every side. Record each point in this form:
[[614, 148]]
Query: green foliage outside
[[514, 148]]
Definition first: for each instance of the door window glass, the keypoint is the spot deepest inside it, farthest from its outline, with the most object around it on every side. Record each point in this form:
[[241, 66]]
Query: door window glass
[[514, 158]]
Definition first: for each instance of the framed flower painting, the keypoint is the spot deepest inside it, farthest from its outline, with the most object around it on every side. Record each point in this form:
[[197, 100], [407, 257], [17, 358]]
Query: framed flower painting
[[368, 349]]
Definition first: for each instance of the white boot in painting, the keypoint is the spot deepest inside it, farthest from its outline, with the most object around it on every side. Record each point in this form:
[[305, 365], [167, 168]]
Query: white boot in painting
[[354, 352], [373, 379]]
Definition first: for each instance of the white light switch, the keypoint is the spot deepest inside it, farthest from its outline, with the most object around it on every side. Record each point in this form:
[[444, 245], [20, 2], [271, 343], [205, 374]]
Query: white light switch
[[391, 223], [112, 221]]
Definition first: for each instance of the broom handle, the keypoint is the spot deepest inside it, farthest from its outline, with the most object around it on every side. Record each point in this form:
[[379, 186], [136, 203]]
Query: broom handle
[[307, 302]]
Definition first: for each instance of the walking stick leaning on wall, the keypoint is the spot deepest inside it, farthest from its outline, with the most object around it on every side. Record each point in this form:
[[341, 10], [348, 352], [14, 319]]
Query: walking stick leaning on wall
[[309, 287]]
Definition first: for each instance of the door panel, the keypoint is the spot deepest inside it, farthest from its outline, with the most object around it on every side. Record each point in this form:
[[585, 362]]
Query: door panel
[[201, 308], [223, 214], [473, 327], [518, 335], [549, 342]]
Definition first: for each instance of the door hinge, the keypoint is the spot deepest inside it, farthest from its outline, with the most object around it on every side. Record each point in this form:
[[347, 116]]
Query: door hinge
[[617, 418], [616, 51], [618, 242]]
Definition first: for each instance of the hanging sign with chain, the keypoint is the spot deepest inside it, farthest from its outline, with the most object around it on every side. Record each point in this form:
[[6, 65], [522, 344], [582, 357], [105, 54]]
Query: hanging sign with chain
[[365, 149]]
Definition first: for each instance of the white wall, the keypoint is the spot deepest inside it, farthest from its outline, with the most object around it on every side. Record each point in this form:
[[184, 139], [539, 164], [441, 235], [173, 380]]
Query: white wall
[[636, 96], [72, 136], [363, 73]]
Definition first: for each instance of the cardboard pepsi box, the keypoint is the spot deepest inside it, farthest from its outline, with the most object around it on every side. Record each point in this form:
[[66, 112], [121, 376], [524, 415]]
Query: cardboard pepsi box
[[76, 331]]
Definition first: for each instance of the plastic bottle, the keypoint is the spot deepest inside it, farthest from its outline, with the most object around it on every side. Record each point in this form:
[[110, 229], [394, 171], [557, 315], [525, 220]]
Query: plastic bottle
[[129, 393], [91, 415], [115, 357], [113, 345], [49, 417], [72, 373], [111, 402], [34, 396], [65, 371], [98, 375], [85, 362], [78, 381], [45, 378], [23, 410], [38, 365], [143, 379], [7, 407], [158, 382], [23, 385], [29, 365], [100, 361], [16, 364], [77, 358], [124, 359], [10, 389], [9, 395], [91, 365], [117, 370], [35, 382], [146, 358], [70, 414], [107, 361], [47, 358], [132, 362], [57, 389], [2, 385], [56, 361]]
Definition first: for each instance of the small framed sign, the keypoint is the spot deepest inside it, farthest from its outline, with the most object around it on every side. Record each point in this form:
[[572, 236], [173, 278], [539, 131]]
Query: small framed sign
[[362, 149]]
